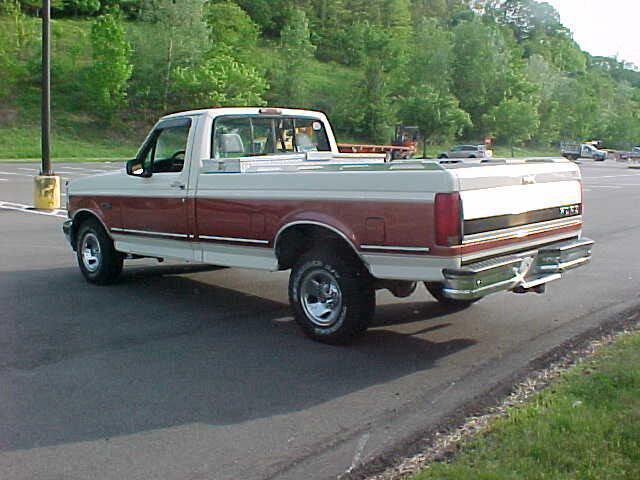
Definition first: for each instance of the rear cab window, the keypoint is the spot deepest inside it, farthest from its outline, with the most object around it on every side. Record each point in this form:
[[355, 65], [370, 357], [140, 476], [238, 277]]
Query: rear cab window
[[255, 136]]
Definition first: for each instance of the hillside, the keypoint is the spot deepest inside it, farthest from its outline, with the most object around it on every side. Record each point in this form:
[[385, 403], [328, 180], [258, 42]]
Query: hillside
[[507, 68]]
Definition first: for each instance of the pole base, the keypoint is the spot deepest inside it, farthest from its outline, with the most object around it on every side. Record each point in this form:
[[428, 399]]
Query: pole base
[[46, 192]]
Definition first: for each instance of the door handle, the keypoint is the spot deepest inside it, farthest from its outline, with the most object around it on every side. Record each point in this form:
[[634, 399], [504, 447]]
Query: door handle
[[177, 184]]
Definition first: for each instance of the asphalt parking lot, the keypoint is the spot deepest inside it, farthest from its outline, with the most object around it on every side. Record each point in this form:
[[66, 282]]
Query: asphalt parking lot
[[189, 372]]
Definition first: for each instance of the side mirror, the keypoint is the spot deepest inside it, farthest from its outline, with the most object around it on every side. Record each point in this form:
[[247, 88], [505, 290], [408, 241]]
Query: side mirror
[[136, 168]]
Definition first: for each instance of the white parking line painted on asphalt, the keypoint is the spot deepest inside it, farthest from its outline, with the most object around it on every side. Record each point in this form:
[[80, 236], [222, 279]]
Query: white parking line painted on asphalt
[[30, 175], [611, 176], [616, 187], [28, 169], [4, 179], [19, 207]]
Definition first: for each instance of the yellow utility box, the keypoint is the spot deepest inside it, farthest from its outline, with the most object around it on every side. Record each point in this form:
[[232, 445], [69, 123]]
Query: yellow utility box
[[46, 193]]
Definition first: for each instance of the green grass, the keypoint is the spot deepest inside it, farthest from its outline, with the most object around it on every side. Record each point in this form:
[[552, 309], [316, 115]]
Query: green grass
[[587, 426], [24, 143]]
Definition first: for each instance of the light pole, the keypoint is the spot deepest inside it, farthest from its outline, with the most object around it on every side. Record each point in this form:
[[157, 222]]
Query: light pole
[[46, 87], [47, 185]]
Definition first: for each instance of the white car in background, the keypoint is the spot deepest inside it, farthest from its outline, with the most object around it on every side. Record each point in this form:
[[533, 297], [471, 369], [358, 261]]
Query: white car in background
[[466, 151]]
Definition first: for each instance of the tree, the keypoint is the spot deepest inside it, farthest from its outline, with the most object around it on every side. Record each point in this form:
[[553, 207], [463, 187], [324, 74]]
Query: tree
[[221, 80], [620, 122], [372, 98], [480, 67], [513, 120], [16, 40], [330, 22], [269, 15], [230, 26], [173, 34], [296, 50], [222, 72], [111, 68], [527, 17], [424, 9], [436, 113], [548, 79], [80, 7], [432, 55]]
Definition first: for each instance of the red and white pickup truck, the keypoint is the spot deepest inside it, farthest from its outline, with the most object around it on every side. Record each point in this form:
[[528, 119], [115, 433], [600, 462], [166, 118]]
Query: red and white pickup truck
[[268, 189]]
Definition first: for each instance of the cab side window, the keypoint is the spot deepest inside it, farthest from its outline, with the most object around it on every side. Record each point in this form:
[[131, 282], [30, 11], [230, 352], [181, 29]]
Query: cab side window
[[167, 150]]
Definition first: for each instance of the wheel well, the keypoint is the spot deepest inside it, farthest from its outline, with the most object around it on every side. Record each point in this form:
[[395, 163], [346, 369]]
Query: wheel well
[[298, 239], [78, 220]]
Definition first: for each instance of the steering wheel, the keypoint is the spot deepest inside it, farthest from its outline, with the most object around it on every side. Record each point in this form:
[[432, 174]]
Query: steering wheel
[[177, 163], [175, 156]]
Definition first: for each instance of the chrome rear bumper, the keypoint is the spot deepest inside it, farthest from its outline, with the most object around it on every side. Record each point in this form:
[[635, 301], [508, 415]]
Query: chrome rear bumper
[[521, 272]]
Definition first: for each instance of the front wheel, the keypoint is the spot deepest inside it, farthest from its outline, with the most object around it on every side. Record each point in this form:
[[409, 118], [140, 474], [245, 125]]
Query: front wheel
[[332, 295], [98, 259], [436, 290]]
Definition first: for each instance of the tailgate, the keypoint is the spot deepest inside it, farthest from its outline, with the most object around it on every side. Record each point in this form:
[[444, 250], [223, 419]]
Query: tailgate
[[518, 199]]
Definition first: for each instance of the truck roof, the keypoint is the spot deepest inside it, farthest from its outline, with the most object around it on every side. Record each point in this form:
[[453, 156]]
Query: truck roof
[[214, 112]]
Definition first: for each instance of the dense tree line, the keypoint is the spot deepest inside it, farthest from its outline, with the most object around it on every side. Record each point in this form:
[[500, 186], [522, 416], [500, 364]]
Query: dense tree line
[[455, 68]]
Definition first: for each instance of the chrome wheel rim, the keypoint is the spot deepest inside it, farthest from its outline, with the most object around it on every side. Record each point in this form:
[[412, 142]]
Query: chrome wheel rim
[[321, 297], [91, 254]]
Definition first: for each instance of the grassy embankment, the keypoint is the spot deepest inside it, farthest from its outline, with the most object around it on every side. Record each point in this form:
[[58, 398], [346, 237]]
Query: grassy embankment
[[24, 143], [77, 135], [586, 426]]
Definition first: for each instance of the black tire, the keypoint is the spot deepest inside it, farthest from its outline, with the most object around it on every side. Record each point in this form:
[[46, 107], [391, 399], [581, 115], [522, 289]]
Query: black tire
[[347, 289], [93, 241], [435, 289]]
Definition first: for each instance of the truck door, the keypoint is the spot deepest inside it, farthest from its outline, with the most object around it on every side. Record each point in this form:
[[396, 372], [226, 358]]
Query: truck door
[[155, 210]]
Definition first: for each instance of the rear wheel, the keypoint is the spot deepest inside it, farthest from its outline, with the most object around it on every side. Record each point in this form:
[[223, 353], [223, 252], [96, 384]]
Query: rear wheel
[[98, 259], [332, 295], [436, 290]]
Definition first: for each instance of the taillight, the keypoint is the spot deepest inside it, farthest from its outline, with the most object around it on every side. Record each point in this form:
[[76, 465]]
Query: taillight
[[448, 219]]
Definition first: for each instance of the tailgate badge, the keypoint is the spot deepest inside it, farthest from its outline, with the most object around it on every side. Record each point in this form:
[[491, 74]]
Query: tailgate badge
[[528, 179]]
